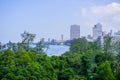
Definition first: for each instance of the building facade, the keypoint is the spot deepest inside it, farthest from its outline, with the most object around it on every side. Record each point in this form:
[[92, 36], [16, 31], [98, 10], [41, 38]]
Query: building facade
[[97, 31], [74, 32], [98, 34], [116, 37]]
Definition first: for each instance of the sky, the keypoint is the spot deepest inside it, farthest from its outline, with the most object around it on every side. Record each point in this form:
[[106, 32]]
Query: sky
[[51, 18]]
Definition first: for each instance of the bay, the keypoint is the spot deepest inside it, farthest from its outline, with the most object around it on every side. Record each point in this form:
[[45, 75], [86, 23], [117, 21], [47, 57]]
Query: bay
[[56, 50]]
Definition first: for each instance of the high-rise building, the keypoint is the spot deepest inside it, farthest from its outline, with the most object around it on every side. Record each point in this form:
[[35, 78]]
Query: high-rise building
[[98, 34], [89, 38], [74, 32], [62, 38], [97, 31], [116, 36]]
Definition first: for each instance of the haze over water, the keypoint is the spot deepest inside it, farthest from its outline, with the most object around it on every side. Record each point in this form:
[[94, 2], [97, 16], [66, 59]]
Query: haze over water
[[56, 50]]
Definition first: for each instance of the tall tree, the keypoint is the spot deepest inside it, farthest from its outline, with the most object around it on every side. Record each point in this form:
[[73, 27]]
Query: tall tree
[[108, 48], [79, 45], [27, 37], [105, 72], [117, 61], [39, 47], [12, 46], [2, 47]]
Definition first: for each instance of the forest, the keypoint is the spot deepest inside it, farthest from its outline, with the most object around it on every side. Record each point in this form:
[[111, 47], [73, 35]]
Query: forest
[[84, 61]]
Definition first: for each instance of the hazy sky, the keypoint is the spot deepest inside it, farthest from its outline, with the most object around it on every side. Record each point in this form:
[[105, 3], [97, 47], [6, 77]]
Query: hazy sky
[[51, 18]]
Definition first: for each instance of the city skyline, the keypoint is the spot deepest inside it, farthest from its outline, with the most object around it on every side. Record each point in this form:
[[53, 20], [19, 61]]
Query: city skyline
[[50, 19]]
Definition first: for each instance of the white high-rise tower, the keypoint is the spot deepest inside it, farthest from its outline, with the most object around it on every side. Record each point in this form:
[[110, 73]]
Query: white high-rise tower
[[74, 32], [97, 31]]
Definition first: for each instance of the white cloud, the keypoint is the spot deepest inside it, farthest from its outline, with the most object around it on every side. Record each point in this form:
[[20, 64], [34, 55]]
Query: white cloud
[[108, 15], [116, 18], [111, 9]]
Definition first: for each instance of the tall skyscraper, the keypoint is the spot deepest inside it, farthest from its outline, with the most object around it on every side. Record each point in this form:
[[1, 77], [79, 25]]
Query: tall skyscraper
[[97, 31], [62, 38], [116, 37], [74, 32], [98, 34]]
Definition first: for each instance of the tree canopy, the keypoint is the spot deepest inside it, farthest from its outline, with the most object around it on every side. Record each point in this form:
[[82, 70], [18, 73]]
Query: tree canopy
[[84, 61]]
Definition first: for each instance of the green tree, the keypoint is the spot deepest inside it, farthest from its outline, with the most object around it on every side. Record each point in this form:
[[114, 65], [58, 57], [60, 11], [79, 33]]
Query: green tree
[[36, 71], [23, 58], [27, 37], [107, 44], [10, 76], [74, 61], [117, 59], [8, 58], [12, 46], [20, 77], [86, 64], [94, 46], [100, 58], [2, 47], [45, 61], [105, 72], [39, 47], [78, 78], [108, 48], [66, 74], [79, 45]]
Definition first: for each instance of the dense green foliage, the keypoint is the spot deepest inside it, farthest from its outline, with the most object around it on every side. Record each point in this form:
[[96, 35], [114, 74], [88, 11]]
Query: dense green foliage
[[84, 61]]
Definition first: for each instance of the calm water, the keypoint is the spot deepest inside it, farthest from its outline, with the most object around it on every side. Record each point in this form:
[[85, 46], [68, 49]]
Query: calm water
[[56, 50]]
